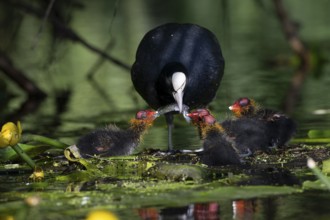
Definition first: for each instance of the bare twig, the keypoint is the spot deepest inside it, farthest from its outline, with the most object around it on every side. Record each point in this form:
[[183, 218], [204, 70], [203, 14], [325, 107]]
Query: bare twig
[[19, 77], [30, 105], [100, 61], [36, 38], [300, 49], [64, 31]]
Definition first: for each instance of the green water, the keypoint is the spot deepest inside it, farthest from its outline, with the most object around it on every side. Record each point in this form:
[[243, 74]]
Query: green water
[[251, 39]]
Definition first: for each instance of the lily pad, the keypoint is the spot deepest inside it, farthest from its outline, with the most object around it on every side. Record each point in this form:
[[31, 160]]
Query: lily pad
[[319, 134]]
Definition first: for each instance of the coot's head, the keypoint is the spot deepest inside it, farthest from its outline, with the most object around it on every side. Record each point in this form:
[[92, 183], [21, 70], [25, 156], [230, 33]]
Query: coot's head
[[243, 107], [171, 84]]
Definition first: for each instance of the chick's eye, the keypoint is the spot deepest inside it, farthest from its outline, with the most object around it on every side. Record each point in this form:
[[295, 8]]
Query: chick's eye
[[202, 112], [244, 102], [141, 115], [208, 119]]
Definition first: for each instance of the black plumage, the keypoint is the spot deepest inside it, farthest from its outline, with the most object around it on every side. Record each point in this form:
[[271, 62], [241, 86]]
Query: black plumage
[[279, 128], [113, 141], [249, 135], [218, 148]]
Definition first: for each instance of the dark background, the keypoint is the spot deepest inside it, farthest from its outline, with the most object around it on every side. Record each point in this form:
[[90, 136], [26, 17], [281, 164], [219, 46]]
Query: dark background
[[77, 56]]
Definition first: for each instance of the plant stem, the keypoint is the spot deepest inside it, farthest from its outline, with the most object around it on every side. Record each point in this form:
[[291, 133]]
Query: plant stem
[[312, 165], [45, 140], [24, 156]]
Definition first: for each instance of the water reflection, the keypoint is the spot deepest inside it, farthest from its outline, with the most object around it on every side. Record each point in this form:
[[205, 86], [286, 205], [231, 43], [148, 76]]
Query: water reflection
[[298, 206], [237, 209], [206, 211], [244, 209]]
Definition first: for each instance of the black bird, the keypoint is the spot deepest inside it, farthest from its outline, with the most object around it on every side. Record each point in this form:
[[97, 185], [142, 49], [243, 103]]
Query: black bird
[[249, 134], [113, 141], [280, 128], [178, 63], [218, 148], [245, 135]]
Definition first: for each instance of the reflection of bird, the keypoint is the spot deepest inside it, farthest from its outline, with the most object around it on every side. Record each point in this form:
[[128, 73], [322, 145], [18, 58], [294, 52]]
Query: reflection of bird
[[113, 141], [280, 128], [208, 210], [178, 63], [218, 148]]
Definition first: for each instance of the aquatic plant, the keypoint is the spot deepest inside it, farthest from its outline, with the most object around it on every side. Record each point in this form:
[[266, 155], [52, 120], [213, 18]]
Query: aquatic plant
[[10, 136]]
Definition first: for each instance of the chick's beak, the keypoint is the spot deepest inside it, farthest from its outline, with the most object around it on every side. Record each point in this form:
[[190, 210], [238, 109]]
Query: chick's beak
[[193, 116], [152, 114], [234, 107]]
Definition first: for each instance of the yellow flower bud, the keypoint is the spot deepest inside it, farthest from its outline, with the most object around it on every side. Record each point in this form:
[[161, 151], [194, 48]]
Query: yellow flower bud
[[10, 134], [38, 174], [101, 214]]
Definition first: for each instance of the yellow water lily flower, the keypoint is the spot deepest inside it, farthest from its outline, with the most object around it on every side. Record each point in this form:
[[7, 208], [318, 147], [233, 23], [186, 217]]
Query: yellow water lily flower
[[10, 134]]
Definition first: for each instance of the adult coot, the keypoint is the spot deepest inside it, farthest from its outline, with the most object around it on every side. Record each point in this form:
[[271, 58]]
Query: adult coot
[[178, 63]]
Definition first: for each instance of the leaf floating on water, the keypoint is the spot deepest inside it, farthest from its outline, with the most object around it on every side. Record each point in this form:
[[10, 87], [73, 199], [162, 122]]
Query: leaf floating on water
[[72, 153], [177, 172], [311, 140], [314, 136], [319, 134]]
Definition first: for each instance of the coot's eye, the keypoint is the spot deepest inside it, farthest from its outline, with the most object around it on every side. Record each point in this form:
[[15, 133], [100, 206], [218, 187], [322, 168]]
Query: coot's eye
[[244, 102]]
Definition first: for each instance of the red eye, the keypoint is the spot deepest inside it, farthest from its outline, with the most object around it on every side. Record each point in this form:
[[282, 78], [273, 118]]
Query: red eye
[[209, 119], [244, 102], [198, 114], [141, 115], [146, 114], [202, 112]]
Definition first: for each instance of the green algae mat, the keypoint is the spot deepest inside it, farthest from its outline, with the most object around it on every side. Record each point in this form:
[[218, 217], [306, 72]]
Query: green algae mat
[[132, 187]]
